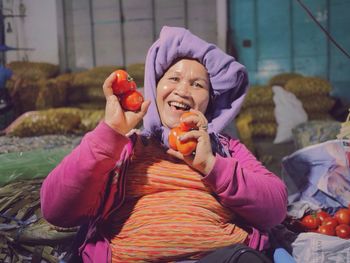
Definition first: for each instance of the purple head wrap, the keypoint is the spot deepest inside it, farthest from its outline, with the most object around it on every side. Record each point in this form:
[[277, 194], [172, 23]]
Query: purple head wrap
[[228, 78]]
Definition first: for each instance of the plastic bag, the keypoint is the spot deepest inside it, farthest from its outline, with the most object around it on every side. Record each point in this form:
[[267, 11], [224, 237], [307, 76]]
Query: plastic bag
[[289, 112], [318, 248], [318, 175]]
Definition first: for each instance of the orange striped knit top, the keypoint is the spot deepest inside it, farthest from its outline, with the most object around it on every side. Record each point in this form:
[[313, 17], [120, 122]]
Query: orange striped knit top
[[169, 214]]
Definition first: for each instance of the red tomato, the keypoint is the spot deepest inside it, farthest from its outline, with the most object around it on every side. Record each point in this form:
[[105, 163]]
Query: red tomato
[[186, 147], [187, 126], [330, 221], [173, 135], [326, 230], [343, 216], [322, 215], [132, 100], [122, 83], [310, 222], [343, 231]]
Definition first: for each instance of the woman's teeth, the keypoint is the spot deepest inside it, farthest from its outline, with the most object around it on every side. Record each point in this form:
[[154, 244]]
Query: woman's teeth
[[179, 105]]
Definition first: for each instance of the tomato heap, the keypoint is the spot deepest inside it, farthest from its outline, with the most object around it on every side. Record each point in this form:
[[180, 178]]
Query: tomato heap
[[185, 147], [324, 223], [124, 87]]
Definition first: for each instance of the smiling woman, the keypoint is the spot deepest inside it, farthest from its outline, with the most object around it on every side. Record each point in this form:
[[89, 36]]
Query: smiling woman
[[141, 201]]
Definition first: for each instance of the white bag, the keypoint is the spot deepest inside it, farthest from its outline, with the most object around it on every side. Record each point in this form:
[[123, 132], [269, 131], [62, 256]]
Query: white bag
[[319, 248], [289, 112]]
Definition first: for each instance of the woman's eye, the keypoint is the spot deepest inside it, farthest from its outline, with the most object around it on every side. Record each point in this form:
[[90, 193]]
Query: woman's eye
[[174, 78], [197, 85]]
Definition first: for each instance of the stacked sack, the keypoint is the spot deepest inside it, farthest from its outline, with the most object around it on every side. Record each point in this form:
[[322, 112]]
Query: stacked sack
[[35, 86], [34, 70], [259, 106], [55, 121], [313, 92], [257, 117]]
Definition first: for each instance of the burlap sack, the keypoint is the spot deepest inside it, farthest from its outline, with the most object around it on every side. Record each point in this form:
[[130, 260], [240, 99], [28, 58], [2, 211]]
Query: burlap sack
[[260, 113], [258, 96], [52, 93], [282, 79], [317, 104], [34, 71], [55, 121], [308, 86]]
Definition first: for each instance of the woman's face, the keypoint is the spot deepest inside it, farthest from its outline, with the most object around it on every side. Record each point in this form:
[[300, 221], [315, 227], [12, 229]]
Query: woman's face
[[184, 86]]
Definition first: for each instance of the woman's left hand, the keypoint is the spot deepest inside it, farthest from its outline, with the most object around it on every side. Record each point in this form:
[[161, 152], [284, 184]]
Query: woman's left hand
[[203, 160]]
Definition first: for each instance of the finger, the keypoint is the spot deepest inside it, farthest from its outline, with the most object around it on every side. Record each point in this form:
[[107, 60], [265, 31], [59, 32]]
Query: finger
[[175, 154], [107, 85], [189, 158], [113, 101], [201, 121], [144, 107], [194, 134], [192, 121], [203, 127], [190, 118]]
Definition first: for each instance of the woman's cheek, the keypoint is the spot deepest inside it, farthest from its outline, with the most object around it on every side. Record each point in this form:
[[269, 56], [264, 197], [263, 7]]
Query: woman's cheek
[[203, 102], [167, 88]]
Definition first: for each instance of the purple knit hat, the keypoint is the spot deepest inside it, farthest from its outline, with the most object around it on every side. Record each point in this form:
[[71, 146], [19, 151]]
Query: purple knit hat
[[228, 78]]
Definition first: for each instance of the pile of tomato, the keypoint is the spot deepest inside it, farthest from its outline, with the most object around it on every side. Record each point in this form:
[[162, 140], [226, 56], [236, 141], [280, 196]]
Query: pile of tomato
[[324, 223], [124, 87]]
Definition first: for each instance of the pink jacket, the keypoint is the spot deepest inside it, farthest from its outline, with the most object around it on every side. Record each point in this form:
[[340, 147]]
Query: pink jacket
[[84, 188]]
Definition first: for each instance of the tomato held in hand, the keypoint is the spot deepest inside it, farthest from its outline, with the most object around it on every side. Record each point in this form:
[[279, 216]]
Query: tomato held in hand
[[184, 147], [123, 83], [322, 215], [132, 100], [343, 231], [343, 216], [326, 230], [310, 222], [173, 137]]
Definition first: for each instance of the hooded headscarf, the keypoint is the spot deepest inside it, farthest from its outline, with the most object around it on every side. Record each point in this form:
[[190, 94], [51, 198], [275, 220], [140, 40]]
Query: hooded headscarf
[[228, 78]]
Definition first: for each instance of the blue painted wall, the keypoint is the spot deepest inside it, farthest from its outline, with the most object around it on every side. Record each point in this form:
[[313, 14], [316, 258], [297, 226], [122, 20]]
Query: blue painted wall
[[283, 38]]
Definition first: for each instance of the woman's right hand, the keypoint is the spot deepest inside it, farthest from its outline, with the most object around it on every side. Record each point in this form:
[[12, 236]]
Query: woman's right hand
[[115, 117]]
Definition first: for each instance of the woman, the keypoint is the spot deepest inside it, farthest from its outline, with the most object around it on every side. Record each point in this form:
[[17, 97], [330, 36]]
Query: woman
[[141, 201]]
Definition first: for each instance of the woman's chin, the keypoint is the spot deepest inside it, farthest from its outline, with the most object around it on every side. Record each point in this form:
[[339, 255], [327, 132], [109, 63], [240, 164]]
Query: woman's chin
[[171, 122], [171, 118]]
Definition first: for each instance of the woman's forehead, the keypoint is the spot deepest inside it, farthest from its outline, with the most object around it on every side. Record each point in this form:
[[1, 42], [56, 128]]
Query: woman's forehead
[[188, 66]]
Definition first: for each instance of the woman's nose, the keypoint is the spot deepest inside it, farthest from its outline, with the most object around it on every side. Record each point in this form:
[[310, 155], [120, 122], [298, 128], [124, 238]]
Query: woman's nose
[[183, 89]]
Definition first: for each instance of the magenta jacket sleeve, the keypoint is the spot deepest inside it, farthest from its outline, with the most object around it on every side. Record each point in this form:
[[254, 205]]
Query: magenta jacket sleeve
[[245, 186], [73, 191]]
